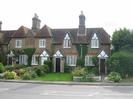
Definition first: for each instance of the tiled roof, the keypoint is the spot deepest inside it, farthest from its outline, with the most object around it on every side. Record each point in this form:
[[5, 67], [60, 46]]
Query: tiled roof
[[21, 32], [59, 34], [45, 31], [6, 35]]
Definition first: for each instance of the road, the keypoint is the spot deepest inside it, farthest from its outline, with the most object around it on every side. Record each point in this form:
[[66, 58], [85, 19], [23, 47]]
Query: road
[[46, 91]]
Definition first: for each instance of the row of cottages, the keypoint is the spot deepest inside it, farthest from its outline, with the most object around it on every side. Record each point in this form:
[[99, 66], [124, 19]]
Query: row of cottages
[[63, 46]]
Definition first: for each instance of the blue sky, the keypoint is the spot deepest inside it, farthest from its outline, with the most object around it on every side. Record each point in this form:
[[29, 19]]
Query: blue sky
[[109, 14]]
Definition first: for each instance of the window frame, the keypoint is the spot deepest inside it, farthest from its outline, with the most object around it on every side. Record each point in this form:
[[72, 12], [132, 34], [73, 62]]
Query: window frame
[[88, 60], [67, 42], [94, 41], [42, 43], [18, 43], [71, 60]]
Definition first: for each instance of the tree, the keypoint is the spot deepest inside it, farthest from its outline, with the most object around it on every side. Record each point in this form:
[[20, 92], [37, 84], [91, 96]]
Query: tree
[[29, 52], [122, 62], [121, 39]]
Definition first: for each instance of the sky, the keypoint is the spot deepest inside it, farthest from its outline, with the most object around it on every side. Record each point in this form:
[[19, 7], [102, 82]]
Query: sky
[[109, 14]]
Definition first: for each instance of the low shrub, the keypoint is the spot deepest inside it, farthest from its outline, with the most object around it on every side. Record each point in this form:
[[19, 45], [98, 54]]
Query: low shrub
[[33, 74], [39, 70], [89, 77], [10, 75], [114, 76], [26, 76], [49, 64], [78, 71], [1, 68]]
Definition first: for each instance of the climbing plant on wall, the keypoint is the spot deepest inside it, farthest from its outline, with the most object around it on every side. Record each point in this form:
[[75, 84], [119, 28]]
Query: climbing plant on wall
[[29, 52], [82, 51]]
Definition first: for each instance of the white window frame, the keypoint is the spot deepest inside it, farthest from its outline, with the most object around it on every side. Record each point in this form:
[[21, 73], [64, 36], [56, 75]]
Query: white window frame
[[67, 42], [34, 61], [88, 60], [42, 43], [23, 59], [18, 43], [94, 41], [71, 60]]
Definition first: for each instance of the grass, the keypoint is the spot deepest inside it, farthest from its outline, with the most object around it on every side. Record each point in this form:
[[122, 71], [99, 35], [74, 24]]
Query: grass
[[56, 77], [130, 79]]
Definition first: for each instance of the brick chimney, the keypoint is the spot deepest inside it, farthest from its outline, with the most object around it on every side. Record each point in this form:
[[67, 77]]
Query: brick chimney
[[35, 23]]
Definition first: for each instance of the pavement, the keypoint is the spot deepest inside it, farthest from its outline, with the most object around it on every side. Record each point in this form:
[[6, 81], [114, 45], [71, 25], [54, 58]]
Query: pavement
[[102, 83]]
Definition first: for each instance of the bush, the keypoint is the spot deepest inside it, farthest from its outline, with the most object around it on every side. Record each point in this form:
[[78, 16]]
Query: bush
[[89, 77], [40, 70], [11, 68], [26, 76], [122, 62], [78, 71], [114, 76], [1, 68], [49, 64], [21, 72], [33, 74], [10, 75]]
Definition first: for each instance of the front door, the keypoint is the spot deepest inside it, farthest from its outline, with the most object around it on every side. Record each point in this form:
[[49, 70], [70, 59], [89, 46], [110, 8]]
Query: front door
[[57, 64], [102, 66]]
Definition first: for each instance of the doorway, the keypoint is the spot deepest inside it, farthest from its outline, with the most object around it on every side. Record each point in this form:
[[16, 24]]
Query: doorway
[[102, 66], [57, 64]]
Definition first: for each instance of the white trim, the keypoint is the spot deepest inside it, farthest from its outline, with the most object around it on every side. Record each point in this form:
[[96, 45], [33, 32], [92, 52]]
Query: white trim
[[71, 60], [58, 54], [42, 43], [34, 61], [18, 43], [23, 59], [94, 41], [67, 42], [44, 56], [102, 55], [88, 60]]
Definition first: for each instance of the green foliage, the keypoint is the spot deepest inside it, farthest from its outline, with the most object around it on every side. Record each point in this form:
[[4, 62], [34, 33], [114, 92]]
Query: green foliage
[[29, 52], [26, 76], [122, 62], [93, 69], [11, 68], [1, 68], [79, 71], [41, 70], [114, 76], [95, 60], [82, 49], [49, 64], [80, 62], [89, 77], [10, 75], [122, 39], [55, 77]]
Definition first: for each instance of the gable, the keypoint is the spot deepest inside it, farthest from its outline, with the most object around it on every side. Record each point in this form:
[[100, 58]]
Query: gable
[[45, 31], [21, 32]]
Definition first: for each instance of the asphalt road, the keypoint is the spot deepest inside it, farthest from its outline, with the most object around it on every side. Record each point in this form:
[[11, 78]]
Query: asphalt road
[[46, 91]]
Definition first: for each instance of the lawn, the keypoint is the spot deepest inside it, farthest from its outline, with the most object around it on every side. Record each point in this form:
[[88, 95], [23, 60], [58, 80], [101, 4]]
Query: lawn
[[56, 77], [128, 79]]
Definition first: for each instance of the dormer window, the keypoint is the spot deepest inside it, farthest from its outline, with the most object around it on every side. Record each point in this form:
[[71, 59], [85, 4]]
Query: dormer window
[[67, 42], [94, 41]]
